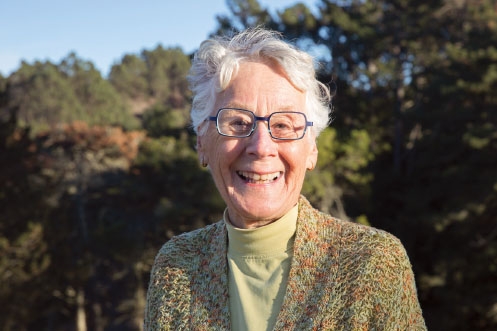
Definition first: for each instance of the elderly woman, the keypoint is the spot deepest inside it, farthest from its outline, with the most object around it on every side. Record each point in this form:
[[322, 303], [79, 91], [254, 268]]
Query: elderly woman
[[273, 262]]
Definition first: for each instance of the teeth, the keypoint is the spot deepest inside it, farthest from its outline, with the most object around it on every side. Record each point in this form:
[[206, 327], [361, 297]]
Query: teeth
[[254, 178]]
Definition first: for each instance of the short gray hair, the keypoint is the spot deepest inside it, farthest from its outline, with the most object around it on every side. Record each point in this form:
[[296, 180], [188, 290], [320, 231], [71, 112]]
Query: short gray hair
[[218, 59]]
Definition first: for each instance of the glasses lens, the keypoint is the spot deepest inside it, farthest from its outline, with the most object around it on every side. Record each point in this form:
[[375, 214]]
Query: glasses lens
[[235, 122], [287, 125]]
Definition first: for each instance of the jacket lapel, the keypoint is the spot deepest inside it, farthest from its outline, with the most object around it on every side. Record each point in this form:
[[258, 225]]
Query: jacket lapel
[[210, 305], [313, 270]]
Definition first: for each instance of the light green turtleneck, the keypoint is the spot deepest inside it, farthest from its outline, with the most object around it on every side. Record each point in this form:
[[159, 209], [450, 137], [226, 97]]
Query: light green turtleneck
[[259, 263]]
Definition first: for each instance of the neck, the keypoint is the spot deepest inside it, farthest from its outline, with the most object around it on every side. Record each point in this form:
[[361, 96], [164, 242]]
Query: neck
[[249, 224]]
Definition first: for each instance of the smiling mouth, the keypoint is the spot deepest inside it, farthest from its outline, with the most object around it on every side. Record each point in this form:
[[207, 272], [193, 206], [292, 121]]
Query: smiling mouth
[[254, 178]]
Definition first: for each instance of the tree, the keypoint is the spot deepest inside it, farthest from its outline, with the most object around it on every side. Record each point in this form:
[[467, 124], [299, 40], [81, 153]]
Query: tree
[[41, 97], [101, 103], [342, 170], [24, 256], [163, 121], [166, 72], [129, 76], [417, 78], [45, 95], [156, 78], [243, 14]]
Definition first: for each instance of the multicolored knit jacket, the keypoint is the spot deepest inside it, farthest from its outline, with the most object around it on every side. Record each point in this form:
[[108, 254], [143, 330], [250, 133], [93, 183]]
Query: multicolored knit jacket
[[343, 276]]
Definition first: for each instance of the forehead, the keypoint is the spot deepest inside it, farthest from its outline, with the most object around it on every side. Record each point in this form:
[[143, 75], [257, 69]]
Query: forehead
[[262, 87]]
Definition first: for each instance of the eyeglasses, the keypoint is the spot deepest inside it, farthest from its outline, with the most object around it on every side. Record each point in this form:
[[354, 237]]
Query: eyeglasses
[[241, 123]]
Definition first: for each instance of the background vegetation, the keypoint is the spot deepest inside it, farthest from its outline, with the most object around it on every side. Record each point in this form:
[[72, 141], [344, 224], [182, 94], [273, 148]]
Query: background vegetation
[[96, 173]]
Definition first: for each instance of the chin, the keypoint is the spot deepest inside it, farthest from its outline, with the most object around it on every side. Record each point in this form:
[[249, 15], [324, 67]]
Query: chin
[[261, 206]]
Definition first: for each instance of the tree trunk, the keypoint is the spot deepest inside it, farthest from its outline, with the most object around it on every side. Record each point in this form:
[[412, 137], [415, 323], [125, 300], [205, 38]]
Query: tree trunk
[[140, 297], [80, 313]]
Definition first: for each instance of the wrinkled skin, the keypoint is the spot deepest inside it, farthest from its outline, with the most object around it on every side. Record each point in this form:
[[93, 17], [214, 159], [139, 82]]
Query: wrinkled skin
[[237, 163]]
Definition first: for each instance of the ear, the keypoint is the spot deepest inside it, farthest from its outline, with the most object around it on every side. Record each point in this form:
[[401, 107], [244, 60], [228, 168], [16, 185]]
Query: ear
[[312, 157], [199, 144]]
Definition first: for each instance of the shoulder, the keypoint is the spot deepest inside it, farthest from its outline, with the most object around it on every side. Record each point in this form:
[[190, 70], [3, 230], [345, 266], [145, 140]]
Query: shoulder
[[352, 238], [180, 249], [369, 238], [177, 262], [370, 267]]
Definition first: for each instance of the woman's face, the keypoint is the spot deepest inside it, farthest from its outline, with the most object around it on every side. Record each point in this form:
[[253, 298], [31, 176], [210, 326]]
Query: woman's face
[[259, 178]]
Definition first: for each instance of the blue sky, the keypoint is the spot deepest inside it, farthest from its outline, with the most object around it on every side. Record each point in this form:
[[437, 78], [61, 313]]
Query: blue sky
[[102, 31]]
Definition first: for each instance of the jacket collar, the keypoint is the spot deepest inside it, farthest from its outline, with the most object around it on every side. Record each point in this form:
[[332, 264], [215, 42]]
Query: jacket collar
[[210, 284], [313, 270]]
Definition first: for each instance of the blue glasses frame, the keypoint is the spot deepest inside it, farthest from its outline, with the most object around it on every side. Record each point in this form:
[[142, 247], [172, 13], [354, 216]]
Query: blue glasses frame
[[259, 118]]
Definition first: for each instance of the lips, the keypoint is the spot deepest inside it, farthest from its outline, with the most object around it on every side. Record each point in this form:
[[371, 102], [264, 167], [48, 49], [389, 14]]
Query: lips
[[255, 178]]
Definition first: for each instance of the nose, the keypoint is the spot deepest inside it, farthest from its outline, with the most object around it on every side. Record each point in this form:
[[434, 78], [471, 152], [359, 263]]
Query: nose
[[260, 143]]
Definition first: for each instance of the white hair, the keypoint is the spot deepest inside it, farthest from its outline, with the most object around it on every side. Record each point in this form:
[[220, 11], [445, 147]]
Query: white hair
[[218, 59]]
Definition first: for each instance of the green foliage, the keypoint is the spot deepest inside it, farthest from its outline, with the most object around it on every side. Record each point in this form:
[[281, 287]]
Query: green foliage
[[97, 212], [3, 84], [246, 13], [158, 75], [101, 103], [160, 121], [298, 16], [42, 96], [77, 236], [129, 77], [171, 170], [24, 258], [45, 95], [342, 168]]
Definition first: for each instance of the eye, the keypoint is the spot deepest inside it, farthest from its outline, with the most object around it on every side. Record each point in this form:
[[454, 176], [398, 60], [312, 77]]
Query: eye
[[240, 124], [281, 124]]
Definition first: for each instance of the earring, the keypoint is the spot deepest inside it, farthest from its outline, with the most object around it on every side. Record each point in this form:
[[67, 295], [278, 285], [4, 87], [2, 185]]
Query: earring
[[203, 163]]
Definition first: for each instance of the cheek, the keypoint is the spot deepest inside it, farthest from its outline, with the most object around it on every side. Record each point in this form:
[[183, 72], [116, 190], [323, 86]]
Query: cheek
[[211, 145], [224, 153], [297, 156], [297, 162]]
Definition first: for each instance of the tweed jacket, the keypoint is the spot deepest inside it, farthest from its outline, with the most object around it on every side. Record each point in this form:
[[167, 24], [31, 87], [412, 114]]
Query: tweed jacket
[[343, 276]]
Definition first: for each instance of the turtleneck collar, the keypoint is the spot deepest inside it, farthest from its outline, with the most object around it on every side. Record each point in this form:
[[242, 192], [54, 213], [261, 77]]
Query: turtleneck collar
[[270, 239]]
